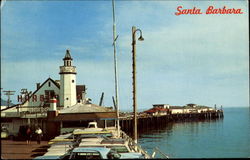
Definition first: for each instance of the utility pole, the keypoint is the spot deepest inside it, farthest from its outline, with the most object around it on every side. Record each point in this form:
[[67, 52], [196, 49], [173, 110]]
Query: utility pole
[[9, 93]]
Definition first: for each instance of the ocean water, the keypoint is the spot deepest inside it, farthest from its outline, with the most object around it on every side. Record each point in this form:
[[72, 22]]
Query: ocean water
[[225, 138]]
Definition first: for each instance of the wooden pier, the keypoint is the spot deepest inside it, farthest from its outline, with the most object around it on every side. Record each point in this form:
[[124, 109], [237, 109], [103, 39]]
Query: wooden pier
[[157, 121]]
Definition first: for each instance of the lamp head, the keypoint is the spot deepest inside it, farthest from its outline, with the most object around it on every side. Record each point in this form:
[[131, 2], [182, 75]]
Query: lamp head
[[141, 38]]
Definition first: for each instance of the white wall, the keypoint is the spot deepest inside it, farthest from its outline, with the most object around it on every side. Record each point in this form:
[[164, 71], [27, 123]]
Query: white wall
[[175, 111], [40, 92], [68, 90]]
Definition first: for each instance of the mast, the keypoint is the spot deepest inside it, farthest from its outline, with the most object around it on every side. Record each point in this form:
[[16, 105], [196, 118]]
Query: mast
[[115, 69]]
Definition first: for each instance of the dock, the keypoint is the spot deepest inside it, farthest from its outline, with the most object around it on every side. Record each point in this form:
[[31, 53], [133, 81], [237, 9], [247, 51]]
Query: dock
[[146, 121], [20, 150]]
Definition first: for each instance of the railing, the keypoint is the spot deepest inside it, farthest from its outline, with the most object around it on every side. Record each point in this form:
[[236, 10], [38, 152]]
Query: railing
[[157, 150], [67, 69], [134, 146]]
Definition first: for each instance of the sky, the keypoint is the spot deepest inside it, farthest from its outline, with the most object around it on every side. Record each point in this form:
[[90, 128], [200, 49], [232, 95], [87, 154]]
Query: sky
[[201, 59]]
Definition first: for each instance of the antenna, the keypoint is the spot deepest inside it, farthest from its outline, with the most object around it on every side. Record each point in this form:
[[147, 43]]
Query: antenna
[[115, 69]]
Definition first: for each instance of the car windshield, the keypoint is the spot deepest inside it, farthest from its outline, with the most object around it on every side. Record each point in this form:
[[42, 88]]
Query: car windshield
[[84, 155], [119, 149]]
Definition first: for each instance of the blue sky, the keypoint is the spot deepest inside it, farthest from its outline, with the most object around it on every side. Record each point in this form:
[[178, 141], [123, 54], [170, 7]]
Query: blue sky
[[200, 59]]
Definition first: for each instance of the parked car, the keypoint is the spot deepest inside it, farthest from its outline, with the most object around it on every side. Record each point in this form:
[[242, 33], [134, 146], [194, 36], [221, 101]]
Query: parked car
[[102, 153], [90, 153]]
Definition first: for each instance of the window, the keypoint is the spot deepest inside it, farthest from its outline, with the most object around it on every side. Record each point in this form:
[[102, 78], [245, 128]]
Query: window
[[86, 156], [119, 149], [49, 84], [73, 81], [49, 94]]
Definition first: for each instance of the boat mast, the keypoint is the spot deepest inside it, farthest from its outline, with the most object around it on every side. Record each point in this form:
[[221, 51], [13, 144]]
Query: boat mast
[[115, 69]]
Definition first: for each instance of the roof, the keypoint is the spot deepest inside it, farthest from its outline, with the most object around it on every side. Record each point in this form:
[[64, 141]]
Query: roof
[[84, 108], [100, 131], [67, 56], [16, 105], [160, 104], [85, 116], [103, 151], [92, 135], [191, 104], [197, 107], [175, 107], [113, 141], [49, 79], [63, 143]]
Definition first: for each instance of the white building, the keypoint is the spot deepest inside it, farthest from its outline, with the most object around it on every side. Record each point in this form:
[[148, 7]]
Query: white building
[[68, 82], [72, 105], [41, 96], [189, 108], [64, 90]]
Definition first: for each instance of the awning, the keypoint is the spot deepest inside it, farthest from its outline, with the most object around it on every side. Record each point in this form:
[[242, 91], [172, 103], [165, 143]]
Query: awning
[[86, 116]]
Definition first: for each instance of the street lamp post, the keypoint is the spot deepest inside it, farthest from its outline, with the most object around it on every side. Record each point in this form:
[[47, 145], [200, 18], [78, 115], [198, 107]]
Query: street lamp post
[[134, 76]]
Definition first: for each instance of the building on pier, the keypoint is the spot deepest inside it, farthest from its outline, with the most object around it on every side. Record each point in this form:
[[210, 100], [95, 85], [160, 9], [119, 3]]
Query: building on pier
[[164, 109], [70, 104]]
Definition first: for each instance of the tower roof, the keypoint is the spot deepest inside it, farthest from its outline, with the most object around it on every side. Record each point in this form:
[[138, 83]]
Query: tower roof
[[67, 56]]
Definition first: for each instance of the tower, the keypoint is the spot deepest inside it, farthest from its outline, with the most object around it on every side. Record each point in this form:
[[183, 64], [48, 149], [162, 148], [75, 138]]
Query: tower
[[67, 82]]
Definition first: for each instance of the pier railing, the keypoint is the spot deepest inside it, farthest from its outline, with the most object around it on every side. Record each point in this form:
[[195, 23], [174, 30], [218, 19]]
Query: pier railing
[[157, 150], [134, 146], [137, 148]]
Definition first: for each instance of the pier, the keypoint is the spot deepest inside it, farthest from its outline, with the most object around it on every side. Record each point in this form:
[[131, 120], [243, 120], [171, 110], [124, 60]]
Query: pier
[[146, 121]]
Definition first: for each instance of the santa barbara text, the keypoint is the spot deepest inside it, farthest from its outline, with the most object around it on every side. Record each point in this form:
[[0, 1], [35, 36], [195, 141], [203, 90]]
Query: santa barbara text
[[209, 10]]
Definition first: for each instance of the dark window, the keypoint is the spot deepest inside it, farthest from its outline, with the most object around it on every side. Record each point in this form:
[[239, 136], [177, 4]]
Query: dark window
[[73, 81], [49, 84], [67, 98], [48, 95]]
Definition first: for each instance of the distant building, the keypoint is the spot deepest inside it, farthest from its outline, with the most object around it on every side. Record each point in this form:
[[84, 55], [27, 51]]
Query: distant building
[[161, 106], [157, 111], [191, 105], [163, 109]]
